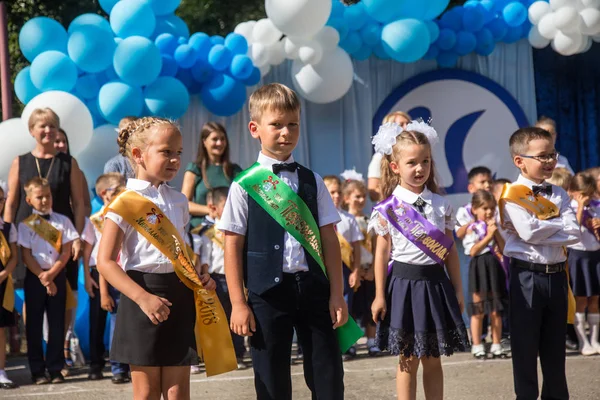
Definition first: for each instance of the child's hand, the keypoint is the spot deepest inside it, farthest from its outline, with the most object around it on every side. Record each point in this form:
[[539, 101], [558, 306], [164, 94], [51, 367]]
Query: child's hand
[[492, 228], [595, 222], [3, 276], [76, 249], [51, 289], [45, 278], [107, 303], [461, 301], [369, 274], [354, 279], [581, 199], [208, 282], [242, 320], [90, 284], [378, 309], [156, 308], [338, 310]]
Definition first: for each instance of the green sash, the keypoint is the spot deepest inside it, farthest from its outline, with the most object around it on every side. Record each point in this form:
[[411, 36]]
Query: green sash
[[292, 213]]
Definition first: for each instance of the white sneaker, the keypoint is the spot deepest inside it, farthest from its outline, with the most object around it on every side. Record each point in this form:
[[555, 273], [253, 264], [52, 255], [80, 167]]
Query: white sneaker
[[195, 370], [596, 346], [478, 351], [587, 350]]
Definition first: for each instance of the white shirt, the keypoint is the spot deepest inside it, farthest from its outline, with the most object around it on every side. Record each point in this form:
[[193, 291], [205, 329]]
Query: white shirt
[[437, 211], [42, 251], [588, 239], [536, 240], [12, 234], [92, 236], [463, 217], [471, 239], [348, 227], [562, 162], [136, 252], [212, 254], [374, 170], [235, 214], [366, 257]]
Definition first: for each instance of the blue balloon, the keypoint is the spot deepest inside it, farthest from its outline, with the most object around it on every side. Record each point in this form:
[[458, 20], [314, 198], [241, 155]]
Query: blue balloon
[[447, 39], [216, 39], [117, 100], [186, 77], [241, 67], [219, 57], [202, 71], [434, 30], [500, 4], [97, 117], [406, 40], [513, 35], [371, 33], [223, 95], [107, 5], [382, 10], [137, 61], [164, 7], [24, 88], [421, 10], [185, 55], [169, 66], [91, 48], [166, 43], [87, 87], [166, 97], [514, 14], [435, 8], [89, 19], [132, 18], [171, 24], [447, 59], [498, 28], [337, 10], [465, 43], [352, 42], [473, 18], [340, 25], [363, 53], [253, 79], [236, 43], [380, 52], [42, 34], [452, 19], [432, 53], [182, 40], [355, 16], [485, 42], [53, 70], [111, 74]]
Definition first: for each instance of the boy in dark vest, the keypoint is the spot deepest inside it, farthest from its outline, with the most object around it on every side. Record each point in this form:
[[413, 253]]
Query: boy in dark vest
[[293, 281]]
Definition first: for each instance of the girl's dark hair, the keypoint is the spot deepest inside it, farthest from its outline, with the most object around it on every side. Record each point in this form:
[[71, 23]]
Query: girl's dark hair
[[584, 183], [60, 130], [202, 159], [482, 197]]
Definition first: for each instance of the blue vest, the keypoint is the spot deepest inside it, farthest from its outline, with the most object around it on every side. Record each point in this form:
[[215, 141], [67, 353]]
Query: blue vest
[[263, 249]]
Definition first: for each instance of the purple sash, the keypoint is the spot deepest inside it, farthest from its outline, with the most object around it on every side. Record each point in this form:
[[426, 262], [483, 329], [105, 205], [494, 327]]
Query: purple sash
[[587, 215], [480, 228], [416, 228]]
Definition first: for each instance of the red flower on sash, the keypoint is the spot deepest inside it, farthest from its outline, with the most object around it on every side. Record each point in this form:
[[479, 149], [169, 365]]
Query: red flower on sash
[[270, 183], [153, 217]]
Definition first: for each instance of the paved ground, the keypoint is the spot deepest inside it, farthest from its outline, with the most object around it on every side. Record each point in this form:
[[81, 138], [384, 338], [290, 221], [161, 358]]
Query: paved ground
[[372, 378]]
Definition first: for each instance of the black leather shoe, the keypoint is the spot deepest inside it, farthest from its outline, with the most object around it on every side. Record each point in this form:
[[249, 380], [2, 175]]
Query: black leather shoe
[[571, 345], [57, 378], [8, 385], [95, 376], [117, 379]]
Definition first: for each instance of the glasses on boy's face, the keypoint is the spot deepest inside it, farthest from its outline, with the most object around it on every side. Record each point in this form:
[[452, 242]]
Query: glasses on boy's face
[[547, 158]]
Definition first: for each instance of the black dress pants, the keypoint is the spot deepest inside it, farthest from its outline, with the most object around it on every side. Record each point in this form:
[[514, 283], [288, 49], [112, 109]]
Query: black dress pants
[[97, 327]]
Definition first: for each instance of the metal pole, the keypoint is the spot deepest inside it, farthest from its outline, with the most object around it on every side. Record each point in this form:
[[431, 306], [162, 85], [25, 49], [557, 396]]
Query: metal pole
[[5, 66]]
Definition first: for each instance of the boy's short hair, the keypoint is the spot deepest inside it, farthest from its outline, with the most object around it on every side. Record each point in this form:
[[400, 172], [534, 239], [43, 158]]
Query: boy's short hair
[[108, 180], [274, 96], [35, 183], [218, 194], [478, 171], [332, 179], [519, 141], [543, 120], [560, 177]]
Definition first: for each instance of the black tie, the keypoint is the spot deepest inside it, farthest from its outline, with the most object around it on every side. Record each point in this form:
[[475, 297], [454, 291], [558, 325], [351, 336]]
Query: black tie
[[292, 167], [420, 203], [46, 217], [543, 189]]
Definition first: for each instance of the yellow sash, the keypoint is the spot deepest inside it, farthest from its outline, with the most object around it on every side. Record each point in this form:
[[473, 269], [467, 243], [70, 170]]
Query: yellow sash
[[367, 243], [98, 220], [347, 251], [45, 230], [542, 208], [213, 336], [8, 303], [215, 236]]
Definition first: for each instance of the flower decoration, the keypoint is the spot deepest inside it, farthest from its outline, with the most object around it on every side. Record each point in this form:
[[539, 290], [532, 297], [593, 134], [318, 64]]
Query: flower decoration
[[352, 175], [425, 129], [385, 138]]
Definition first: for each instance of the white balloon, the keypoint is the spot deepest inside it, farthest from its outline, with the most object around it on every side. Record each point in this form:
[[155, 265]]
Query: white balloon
[[328, 38], [75, 118], [311, 54], [246, 29], [590, 3], [565, 18], [590, 21], [276, 53], [327, 81], [291, 45], [265, 32], [536, 39], [546, 26], [259, 54], [101, 148], [567, 45], [298, 17], [537, 10], [265, 69], [587, 44], [16, 140], [556, 4]]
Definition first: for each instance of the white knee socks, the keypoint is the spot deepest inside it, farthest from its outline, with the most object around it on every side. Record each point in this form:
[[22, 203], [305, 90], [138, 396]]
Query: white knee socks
[[585, 347], [594, 321]]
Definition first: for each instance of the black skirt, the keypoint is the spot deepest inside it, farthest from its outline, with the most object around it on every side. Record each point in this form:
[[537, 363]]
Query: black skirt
[[137, 341], [423, 316], [584, 271], [7, 318], [487, 277]]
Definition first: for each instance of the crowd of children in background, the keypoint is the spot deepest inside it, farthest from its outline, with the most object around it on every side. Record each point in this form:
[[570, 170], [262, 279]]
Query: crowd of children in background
[[386, 272]]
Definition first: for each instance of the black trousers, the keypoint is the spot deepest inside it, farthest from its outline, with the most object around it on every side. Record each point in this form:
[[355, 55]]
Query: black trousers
[[97, 327], [37, 301], [223, 295], [301, 302], [538, 314]]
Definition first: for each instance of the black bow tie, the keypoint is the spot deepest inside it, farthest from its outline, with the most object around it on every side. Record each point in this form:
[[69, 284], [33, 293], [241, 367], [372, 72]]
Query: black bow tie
[[292, 167], [420, 204], [543, 189], [46, 217]]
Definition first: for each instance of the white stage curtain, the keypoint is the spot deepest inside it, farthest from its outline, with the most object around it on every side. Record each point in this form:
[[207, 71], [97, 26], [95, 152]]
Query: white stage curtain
[[337, 136]]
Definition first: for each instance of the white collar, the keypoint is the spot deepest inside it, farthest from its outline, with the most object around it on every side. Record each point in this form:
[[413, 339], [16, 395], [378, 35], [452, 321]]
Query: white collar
[[138, 184], [410, 197], [268, 162], [34, 211], [521, 180]]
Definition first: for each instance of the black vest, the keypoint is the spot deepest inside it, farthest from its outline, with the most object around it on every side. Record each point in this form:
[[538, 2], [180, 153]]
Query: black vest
[[263, 249]]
